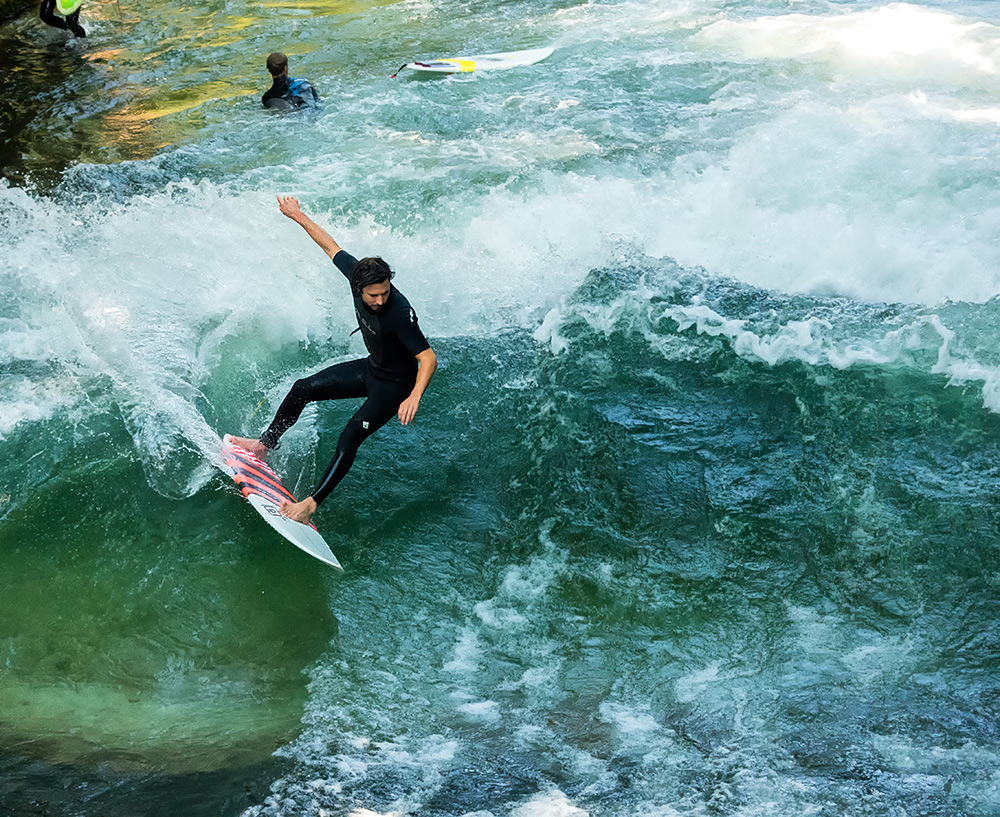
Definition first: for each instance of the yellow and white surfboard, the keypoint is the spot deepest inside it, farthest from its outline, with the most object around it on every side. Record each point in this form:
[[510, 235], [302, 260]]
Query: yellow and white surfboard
[[482, 62]]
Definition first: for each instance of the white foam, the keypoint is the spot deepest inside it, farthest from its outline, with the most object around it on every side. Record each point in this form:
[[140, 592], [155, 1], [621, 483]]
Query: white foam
[[467, 653], [523, 586], [612, 23], [923, 343], [695, 684], [33, 401], [161, 266], [551, 803], [485, 711], [635, 728], [882, 660], [903, 37], [843, 184], [363, 812], [917, 767]]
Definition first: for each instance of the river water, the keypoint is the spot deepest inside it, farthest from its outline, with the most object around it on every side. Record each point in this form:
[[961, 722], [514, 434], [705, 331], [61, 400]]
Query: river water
[[699, 515]]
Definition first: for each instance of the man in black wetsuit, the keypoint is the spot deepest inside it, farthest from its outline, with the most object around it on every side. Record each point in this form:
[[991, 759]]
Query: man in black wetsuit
[[47, 11], [286, 93], [392, 379]]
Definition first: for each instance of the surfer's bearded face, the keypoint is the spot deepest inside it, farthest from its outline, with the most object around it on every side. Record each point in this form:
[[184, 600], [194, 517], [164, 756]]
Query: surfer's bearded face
[[375, 295]]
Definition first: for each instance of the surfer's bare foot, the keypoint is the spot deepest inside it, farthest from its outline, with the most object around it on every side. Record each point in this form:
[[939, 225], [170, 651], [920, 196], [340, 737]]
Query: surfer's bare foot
[[299, 511], [255, 447]]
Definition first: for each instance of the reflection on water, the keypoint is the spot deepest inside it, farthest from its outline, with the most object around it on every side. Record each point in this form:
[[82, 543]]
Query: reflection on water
[[136, 86]]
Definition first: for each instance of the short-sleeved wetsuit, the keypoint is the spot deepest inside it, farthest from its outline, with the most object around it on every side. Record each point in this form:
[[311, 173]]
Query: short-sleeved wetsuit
[[386, 378], [292, 91]]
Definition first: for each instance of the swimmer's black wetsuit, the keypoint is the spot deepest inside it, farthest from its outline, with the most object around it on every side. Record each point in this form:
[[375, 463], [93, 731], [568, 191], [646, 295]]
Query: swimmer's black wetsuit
[[386, 377], [47, 11], [295, 92]]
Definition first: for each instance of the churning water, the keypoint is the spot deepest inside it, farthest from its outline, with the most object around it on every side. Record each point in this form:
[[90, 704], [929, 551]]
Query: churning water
[[699, 515]]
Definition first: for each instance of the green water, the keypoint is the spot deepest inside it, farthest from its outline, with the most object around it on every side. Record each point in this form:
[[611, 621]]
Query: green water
[[124, 613]]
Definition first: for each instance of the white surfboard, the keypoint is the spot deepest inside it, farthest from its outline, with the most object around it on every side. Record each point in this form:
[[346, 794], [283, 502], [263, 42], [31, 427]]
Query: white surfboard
[[264, 491], [481, 62]]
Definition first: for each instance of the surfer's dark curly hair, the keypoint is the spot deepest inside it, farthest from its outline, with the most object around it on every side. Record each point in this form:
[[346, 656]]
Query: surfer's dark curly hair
[[370, 271]]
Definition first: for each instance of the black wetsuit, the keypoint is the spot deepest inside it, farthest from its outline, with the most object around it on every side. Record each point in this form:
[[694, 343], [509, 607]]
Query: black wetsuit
[[386, 378], [289, 92], [47, 11]]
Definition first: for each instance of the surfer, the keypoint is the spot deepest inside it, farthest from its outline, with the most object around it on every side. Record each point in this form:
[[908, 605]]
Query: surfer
[[286, 92], [392, 379], [69, 9]]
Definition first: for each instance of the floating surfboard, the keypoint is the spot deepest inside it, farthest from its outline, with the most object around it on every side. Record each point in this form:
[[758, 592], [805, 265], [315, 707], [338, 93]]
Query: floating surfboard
[[482, 62], [263, 489]]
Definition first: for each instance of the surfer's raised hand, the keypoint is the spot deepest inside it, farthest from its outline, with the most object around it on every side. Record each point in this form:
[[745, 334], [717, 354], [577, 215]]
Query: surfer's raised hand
[[289, 206]]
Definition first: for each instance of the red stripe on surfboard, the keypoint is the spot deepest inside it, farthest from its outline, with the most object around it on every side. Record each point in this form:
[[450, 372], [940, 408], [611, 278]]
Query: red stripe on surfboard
[[247, 482], [254, 476], [251, 490], [267, 477], [255, 464], [251, 465], [262, 480]]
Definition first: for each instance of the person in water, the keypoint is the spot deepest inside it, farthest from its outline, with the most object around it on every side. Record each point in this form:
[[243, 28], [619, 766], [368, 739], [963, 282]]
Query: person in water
[[286, 92], [392, 379], [68, 17]]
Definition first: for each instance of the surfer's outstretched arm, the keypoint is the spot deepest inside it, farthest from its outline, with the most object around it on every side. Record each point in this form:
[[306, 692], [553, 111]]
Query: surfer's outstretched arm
[[289, 206]]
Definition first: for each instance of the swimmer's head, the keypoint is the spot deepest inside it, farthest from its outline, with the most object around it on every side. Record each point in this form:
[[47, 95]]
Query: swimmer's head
[[277, 64]]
